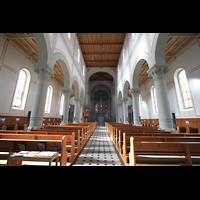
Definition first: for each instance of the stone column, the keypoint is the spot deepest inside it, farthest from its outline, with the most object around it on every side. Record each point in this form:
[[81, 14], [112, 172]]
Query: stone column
[[66, 93], [125, 109], [81, 113], [76, 113], [120, 112], [135, 101], [157, 72], [37, 113]]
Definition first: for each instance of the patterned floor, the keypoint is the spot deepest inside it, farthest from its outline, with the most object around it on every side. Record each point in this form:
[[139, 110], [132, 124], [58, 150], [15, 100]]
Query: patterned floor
[[99, 151]]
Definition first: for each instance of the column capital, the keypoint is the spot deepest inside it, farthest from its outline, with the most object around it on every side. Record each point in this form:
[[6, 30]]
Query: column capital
[[134, 91], [44, 72], [67, 91], [123, 99], [77, 99], [158, 71]]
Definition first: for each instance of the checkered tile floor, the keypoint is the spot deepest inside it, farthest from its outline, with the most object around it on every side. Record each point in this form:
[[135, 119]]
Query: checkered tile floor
[[99, 151]]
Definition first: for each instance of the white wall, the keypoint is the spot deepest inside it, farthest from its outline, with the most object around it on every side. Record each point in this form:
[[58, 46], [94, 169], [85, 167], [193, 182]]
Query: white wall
[[12, 60], [190, 60]]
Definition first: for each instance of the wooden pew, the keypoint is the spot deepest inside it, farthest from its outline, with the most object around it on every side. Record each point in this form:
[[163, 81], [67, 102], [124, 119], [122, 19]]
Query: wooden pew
[[70, 146], [9, 143], [142, 149], [119, 140]]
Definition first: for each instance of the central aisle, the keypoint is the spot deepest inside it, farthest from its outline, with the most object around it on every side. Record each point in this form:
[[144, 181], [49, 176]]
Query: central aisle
[[99, 151]]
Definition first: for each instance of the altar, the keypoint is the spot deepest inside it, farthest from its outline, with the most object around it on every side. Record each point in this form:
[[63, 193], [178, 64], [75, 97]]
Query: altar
[[101, 119]]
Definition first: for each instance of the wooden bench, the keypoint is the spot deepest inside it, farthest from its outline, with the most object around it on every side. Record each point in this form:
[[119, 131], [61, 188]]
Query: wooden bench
[[9, 143], [73, 147], [147, 149], [30, 157], [119, 138]]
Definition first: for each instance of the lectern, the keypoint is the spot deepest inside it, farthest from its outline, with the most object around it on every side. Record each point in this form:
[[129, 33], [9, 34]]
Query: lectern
[[86, 114]]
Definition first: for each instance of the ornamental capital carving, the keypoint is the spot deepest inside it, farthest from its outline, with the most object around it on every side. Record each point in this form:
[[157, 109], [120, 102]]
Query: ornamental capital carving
[[44, 73], [67, 91], [158, 71], [134, 91], [77, 99], [124, 99]]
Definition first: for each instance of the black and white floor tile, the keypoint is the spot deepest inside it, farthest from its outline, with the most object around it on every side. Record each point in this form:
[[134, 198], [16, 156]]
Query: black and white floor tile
[[99, 151]]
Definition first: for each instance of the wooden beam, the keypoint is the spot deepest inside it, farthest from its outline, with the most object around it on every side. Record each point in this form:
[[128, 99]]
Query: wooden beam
[[56, 75], [21, 36], [101, 44], [102, 66], [183, 34], [33, 56], [169, 55], [101, 60], [57, 67], [101, 54]]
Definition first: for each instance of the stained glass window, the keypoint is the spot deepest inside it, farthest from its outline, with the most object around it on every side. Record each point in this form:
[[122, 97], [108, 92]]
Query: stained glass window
[[101, 107], [96, 107]]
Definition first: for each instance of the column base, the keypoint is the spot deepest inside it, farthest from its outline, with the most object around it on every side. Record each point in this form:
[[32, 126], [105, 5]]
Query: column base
[[35, 122], [63, 123], [166, 124], [137, 124]]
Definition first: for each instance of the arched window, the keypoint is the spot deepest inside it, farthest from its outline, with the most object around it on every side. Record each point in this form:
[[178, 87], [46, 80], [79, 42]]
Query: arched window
[[21, 90], [140, 105], [48, 99], [183, 83], [182, 90], [69, 34], [61, 104], [78, 55], [154, 99]]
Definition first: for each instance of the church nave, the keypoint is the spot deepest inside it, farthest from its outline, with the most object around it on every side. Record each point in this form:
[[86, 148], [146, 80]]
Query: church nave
[[99, 151]]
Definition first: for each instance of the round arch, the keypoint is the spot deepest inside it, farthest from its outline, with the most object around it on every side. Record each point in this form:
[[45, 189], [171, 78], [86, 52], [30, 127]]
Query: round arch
[[64, 66], [76, 86], [136, 73], [125, 89], [43, 47], [140, 59], [158, 48], [93, 71], [82, 96]]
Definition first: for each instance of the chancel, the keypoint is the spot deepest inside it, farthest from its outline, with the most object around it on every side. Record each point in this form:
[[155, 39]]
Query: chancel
[[92, 99]]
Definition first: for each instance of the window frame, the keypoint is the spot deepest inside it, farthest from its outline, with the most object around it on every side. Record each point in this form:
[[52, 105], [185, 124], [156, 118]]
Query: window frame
[[25, 89], [179, 91], [186, 90], [61, 103], [78, 58], [154, 100], [47, 107]]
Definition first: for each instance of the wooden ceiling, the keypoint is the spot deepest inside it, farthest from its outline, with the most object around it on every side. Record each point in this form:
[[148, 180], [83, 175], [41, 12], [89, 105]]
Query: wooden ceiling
[[101, 76], [26, 42], [101, 49], [177, 43]]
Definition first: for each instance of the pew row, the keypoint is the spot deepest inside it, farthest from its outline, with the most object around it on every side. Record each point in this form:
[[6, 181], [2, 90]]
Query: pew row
[[160, 150], [9, 144]]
